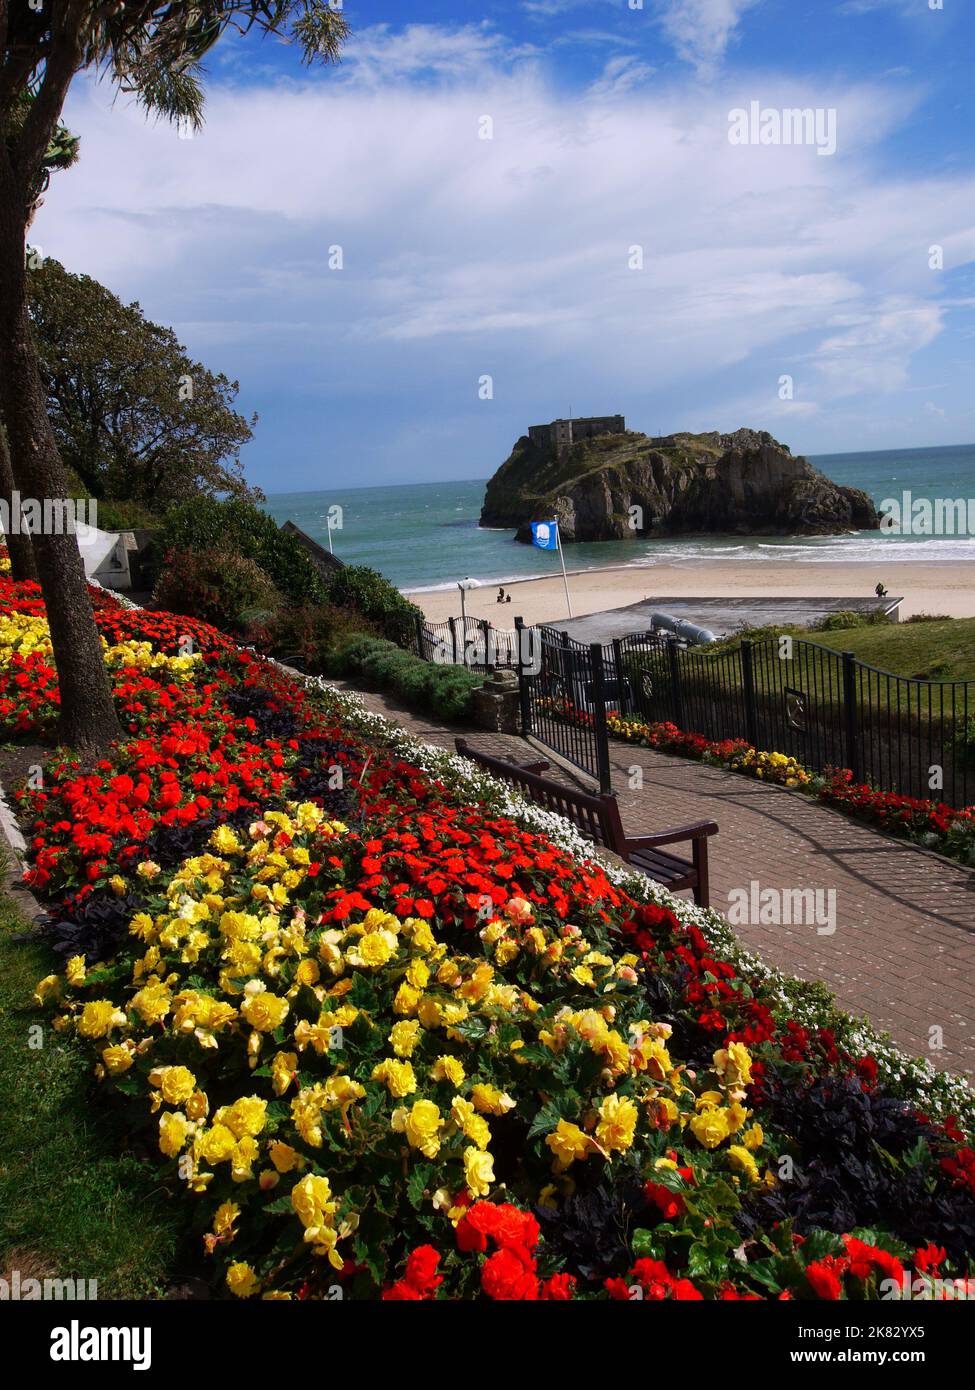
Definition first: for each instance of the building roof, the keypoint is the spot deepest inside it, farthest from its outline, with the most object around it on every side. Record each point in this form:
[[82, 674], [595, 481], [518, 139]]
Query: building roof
[[319, 556]]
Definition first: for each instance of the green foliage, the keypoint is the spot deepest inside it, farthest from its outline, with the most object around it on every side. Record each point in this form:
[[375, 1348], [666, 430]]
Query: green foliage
[[839, 622], [120, 515], [204, 524], [219, 586], [135, 418], [74, 1199], [305, 637], [322, 608], [155, 50], [422, 685], [370, 593]]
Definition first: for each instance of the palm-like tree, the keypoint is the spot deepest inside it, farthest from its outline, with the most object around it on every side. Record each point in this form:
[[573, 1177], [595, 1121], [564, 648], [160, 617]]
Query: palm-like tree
[[154, 51]]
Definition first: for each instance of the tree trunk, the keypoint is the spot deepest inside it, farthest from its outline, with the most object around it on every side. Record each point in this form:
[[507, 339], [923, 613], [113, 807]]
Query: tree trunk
[[19, 548], [88, 720]]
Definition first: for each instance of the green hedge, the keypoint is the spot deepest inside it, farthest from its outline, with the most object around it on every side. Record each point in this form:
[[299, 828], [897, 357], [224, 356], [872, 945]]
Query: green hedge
[[422, 685], [203, 524], [366, 591]]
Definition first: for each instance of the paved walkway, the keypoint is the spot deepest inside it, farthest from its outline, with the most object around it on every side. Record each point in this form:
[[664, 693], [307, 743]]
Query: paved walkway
[[903, 949]]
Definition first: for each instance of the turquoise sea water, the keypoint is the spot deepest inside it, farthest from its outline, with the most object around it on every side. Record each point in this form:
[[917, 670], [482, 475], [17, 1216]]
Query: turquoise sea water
[[426, 536]]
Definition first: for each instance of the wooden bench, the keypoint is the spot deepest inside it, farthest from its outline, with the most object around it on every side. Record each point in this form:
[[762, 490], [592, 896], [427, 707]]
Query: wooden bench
[[597, 816]]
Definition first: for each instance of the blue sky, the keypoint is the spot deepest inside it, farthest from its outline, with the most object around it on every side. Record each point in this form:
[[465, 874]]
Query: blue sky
[[513, 257]]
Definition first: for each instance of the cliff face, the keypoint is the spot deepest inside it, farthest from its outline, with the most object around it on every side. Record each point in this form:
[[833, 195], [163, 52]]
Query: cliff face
[[745, 483]]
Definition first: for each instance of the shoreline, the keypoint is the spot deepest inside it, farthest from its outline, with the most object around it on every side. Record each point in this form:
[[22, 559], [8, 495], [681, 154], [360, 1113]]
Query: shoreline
[[924, 587]]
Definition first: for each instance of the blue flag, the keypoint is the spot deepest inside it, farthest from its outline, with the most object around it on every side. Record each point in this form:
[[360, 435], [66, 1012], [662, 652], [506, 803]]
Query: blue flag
[[545, 534]]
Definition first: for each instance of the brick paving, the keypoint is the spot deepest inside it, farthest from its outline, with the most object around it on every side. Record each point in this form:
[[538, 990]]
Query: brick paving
[[903, 952]]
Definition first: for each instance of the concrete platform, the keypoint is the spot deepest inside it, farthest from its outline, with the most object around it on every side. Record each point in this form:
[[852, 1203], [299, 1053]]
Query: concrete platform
[[723, 616]]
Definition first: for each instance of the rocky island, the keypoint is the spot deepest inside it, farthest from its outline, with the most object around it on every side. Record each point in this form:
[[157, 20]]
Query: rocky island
[[604, 482]]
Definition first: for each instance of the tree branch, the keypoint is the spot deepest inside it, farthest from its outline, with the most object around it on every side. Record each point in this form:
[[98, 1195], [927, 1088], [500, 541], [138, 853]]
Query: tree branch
[[45, 111]]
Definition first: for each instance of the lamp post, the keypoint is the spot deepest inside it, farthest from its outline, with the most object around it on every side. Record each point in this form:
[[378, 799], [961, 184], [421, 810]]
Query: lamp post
[[463, 585]]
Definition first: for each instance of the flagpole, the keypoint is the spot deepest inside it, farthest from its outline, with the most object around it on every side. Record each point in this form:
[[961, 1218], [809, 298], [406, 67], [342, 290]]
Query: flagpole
[[565, 578]]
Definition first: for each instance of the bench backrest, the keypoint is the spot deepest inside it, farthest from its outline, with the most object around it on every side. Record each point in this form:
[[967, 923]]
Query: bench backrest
[[597, 816]]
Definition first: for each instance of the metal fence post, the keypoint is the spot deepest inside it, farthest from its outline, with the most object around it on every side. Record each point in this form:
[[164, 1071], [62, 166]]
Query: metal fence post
[[524, 690], [851, 714], [487, 632], [748, 687], [599, 717], [676, 694], [458, 650], [418, 634], [623, 699]]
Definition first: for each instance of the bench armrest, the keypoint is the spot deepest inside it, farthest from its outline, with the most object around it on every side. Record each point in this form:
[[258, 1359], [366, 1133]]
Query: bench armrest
[[697, 831]]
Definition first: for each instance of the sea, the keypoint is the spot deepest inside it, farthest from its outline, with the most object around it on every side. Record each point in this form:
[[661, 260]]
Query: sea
[[425, 536]]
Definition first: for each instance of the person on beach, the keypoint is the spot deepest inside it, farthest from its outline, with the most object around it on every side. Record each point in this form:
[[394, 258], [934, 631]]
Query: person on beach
[[880, 591], [500, 598]]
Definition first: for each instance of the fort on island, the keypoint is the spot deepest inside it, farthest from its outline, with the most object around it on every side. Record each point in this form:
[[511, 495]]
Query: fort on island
[[562, 434]]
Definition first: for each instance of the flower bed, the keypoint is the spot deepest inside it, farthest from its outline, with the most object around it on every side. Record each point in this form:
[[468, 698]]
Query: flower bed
[[932, 824], [390, 1030]]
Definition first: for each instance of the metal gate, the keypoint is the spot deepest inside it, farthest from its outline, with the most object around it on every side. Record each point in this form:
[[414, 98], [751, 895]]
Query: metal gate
[[564, 694]]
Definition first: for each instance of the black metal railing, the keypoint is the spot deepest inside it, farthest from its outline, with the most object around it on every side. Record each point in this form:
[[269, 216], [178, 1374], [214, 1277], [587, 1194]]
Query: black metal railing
[[826, 708], [783, 694], [564, 697], [471, 642]]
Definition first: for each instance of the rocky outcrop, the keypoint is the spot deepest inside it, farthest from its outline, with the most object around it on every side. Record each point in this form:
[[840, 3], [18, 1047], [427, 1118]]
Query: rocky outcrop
[[626, 486]]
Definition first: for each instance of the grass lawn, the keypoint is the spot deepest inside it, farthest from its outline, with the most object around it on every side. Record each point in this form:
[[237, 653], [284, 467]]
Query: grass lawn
[[941, 651], [73, 1203], [937, 651]]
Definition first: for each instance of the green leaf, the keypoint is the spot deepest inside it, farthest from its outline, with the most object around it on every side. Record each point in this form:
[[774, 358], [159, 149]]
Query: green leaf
[[545, 1120], [420, 1177]]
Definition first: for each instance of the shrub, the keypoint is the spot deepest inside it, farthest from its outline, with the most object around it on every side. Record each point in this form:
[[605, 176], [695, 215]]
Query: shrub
[[370, 593], [423, 685], [305, 637], [838, 622], [219, 586], [203, 524]]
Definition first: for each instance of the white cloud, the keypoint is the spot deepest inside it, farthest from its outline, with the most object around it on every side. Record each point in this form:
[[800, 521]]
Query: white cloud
[[510, 256], [873, 350], [701, 30], [620, 76]]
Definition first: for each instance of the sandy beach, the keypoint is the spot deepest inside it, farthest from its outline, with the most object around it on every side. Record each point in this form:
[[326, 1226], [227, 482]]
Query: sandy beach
[[930, 587]]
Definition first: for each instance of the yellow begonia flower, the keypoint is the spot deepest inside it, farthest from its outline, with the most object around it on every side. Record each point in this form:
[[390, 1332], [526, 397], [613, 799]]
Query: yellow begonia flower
[[176, 1084], [473, 1125], [75, 971], [284, 1070], [263, 1010], [710, 1127], [47, 989], [421, 1125], [399, 1077], [404, 1036], [568, 1143], [242, 1281], [743, 1161], [174, 1129], [99, 1017], [489, 1100], [450, 1069], [617, 1124], [117, 1059], [478, 1171]]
